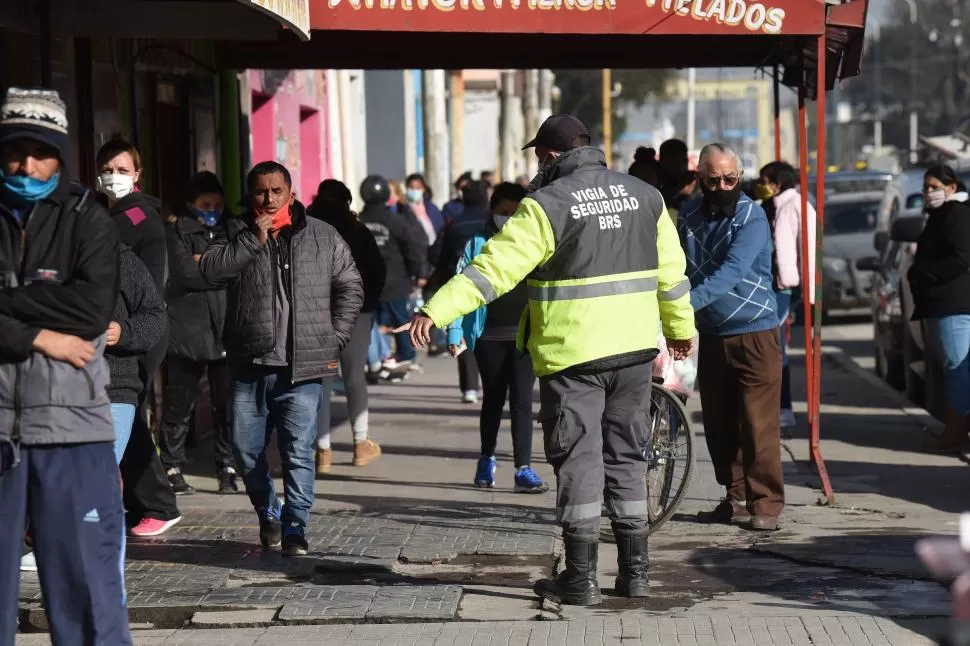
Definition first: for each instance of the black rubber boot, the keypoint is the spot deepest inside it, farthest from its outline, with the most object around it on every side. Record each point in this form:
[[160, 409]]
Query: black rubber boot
[[631, 551], [576, 585]]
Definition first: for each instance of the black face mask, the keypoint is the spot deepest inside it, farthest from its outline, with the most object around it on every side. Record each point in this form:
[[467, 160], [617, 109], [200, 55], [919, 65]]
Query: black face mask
[[722, 199]]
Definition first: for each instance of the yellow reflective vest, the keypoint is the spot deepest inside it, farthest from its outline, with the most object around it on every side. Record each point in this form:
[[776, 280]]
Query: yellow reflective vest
[[603, 265]]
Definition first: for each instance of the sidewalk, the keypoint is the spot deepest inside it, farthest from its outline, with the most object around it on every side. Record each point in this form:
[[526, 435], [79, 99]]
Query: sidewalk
[[407, 551]]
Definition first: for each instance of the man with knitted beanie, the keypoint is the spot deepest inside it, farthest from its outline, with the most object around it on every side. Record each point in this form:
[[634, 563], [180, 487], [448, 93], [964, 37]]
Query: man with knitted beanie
[[59, 278]]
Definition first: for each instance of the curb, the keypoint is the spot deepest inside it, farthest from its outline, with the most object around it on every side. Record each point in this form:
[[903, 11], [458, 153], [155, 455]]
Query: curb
[[920, 415]]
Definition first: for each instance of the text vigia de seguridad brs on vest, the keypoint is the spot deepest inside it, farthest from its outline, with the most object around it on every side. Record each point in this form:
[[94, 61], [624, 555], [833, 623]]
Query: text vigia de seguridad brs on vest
[[607, 204]]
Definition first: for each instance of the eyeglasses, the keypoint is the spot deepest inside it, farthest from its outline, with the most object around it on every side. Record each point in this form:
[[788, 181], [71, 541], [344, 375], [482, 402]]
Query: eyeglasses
[[715, 181]]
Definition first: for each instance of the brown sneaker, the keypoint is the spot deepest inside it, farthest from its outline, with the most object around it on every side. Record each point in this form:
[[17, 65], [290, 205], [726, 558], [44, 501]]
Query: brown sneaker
[[726, 512], [324, 461], [365, 452]]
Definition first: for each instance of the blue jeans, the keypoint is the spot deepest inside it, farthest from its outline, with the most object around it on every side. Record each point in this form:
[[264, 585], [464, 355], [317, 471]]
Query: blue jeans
[[785, 304], [123, 416], [378, 349], [393, 314], [952, 335], [264, 398]]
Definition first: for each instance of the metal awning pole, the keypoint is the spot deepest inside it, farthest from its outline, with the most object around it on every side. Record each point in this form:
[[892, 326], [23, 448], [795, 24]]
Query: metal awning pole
[[819, 229], [776, 82], [46, 45], [806, 249]]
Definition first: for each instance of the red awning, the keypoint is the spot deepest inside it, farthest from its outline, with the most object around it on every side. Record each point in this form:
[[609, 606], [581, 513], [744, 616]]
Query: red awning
[[641, 17], [571, 34]]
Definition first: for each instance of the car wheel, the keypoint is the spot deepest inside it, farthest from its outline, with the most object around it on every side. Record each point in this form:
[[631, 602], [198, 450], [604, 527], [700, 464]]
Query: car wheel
[[889, 370], [912, 383]]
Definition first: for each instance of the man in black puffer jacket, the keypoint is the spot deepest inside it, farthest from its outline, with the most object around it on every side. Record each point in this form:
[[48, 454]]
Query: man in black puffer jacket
[[294, 298]]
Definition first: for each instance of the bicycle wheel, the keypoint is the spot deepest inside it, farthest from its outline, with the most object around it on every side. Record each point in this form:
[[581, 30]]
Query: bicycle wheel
[[670, 456]]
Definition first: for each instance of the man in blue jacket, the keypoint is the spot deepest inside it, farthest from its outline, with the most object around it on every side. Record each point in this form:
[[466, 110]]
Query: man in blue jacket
[[727, 240]]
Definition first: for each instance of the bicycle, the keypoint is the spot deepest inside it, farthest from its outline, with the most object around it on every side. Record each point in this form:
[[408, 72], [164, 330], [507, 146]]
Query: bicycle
[[671, 445], [668, 451]]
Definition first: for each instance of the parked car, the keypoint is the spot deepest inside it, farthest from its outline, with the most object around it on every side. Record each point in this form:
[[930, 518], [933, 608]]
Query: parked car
[[887, 310], [857, 204], [922, 370]]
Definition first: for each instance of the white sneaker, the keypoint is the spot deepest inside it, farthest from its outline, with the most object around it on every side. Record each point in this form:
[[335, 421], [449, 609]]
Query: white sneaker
[[394, 364], [470, 397], [788, 418], [28, 563]]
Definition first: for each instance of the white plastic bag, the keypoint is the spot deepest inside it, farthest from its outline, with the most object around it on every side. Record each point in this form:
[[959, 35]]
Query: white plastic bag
[[678, 376]]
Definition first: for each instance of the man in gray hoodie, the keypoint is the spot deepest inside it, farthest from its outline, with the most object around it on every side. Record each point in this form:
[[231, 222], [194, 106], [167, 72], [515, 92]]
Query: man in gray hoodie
[[58, 286]]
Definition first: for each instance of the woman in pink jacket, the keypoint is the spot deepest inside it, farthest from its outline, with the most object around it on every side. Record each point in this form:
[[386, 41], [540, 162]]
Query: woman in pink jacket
[[783, 205]]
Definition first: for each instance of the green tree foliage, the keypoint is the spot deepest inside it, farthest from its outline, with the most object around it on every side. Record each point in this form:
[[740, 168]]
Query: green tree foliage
[[582, 95], [940, 89]]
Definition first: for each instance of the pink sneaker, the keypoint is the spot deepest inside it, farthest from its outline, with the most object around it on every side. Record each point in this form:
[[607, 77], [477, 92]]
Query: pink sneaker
[[153, 526]]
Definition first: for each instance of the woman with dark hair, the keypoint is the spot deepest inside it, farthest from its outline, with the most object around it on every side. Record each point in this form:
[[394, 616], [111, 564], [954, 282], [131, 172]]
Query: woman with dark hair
[[149, 499], [332, 205], [197, 315], [645, 166], [419, 199], [783, 206], [940, 282], [490, 334]]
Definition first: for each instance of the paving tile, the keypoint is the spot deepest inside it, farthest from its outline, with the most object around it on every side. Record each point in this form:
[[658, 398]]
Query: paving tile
[[233, 618], [415, 602], [138, 599], [250, 597], [328, 603], [178, 582]]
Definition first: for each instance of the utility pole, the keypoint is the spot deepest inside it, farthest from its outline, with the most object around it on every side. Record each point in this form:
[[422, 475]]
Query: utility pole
[[435, 132], [877, 89], [691, 110], [530, 109], [913, 83], [507, 147], [457, 124], [546, 80], [608, 116]]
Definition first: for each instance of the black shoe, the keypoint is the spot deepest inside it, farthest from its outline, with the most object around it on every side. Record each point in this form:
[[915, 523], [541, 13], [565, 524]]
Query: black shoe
[[179, 486], [227, 480], [576, 585], [294, 543], [270, 528], [726, 512], [631, 551]]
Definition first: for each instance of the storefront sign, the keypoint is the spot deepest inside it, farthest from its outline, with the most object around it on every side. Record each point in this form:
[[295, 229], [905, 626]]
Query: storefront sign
[[647, 17], [294, 14]]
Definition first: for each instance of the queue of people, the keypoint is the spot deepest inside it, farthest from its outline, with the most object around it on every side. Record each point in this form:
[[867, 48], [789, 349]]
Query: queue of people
[[272, 303]]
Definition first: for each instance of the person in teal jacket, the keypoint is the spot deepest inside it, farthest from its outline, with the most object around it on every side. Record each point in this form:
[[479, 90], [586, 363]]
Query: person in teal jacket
[[506, 372]]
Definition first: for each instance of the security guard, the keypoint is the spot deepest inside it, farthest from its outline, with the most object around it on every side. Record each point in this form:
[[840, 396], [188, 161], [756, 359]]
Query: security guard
[[604, 268]]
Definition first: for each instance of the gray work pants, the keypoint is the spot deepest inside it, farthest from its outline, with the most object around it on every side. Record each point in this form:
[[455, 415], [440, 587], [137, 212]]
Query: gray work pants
[[594, 426]]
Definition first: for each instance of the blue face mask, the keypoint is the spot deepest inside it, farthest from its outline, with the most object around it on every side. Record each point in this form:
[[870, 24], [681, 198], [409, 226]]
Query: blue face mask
[[209, 218], [29, 189]]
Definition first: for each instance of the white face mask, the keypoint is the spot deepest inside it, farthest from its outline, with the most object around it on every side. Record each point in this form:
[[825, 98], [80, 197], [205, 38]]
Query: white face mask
[[500, 220], [116, 186], [935, 199]]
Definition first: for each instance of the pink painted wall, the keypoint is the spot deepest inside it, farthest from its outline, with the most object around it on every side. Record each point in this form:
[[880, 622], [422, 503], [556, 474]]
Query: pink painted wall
[[289, 122]]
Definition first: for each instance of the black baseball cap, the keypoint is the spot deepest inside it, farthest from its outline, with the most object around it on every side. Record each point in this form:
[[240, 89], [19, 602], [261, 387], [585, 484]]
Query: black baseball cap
[[558, 133]]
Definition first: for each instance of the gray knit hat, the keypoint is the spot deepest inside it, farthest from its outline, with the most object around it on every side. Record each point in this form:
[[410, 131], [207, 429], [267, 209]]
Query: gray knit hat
[[34, 113]]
